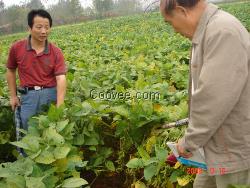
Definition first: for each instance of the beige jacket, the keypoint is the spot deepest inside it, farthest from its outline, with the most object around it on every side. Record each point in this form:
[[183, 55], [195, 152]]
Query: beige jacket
[[220, 103]]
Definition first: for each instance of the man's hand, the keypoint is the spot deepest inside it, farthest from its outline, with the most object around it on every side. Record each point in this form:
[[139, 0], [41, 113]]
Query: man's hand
[[11, 79], [14, 102], [182, 152]]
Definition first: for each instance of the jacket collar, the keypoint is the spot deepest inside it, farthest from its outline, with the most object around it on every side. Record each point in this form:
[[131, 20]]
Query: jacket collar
[[29, 47], [210, 10]]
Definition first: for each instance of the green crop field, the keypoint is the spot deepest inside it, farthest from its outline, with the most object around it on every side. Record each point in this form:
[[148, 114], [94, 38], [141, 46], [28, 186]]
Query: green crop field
[[126, 77]]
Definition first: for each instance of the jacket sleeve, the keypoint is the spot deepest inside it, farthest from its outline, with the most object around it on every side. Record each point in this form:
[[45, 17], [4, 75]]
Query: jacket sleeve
[[223, 77]]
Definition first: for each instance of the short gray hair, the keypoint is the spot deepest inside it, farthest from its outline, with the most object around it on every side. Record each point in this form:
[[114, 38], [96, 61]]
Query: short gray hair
[[171, 4]]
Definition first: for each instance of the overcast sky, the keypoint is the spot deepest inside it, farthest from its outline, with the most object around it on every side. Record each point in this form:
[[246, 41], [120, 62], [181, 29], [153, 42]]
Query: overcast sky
[[85, 3]]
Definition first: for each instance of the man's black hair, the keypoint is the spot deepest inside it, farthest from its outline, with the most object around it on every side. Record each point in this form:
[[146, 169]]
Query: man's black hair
[[38, 12]]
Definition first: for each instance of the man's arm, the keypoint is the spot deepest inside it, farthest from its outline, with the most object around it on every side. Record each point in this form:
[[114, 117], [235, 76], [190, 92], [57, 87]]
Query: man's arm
[[11, 79], [222, 79], [61, 89]]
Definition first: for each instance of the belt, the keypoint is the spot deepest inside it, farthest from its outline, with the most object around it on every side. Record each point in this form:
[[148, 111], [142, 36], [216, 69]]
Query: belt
[[36, 88]]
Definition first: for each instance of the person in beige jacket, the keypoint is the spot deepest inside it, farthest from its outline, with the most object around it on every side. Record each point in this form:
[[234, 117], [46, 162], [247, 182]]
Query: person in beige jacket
[[219, 90]]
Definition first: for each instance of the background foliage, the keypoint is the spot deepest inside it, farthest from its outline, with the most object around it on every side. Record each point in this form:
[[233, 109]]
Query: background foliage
[[113, 143]]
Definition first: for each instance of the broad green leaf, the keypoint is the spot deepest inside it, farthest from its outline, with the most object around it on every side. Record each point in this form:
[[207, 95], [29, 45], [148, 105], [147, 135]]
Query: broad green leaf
[[45, 157], [5, 172], [174, 175], [22, 167], [34, 155], [121, 110], [4, 137], [110, 165], [151, 160], [135, 163], [16, 181], [49, 172], [67, 131], [32, 182], [38, 123], [121, 128], [53, 137], [61, 152], [91, 141], [50, 182], [92, 148], [161, 153], [55, 113], [61, 125], [37, 171], [73, 182], [20, 144], [3, 184], [85, 110], [98, 161], [33, 128], [150, 171], [32, 142]]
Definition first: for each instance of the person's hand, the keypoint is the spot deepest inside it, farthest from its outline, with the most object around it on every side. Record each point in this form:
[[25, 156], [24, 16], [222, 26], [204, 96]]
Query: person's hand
[[182, 152], [14, 102], [171, 160]]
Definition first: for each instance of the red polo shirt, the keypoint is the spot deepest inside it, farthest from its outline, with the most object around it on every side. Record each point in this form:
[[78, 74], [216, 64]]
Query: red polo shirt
[[36, 69]]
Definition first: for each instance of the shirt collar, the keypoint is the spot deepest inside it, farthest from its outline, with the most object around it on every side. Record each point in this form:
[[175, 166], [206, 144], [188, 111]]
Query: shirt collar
[[29, 47], [210, 10]]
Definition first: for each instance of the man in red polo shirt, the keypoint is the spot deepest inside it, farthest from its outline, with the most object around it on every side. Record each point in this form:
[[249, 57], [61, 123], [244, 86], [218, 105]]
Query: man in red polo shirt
[[41, 69]]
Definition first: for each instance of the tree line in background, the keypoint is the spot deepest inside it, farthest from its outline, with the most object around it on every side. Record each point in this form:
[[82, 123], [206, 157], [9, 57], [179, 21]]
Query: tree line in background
[[14, 18]]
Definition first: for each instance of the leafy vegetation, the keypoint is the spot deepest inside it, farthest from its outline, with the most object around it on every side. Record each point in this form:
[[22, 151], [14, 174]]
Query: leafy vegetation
[[99, 133]]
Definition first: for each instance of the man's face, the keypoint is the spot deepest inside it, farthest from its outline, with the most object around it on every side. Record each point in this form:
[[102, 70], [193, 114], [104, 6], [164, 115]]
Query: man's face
[[177, 19], [40, 29]]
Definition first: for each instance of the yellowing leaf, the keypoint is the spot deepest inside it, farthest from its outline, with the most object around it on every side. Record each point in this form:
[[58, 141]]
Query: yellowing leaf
[[76, 174], [61, 165], [150, 143], [172, 89], [140, 184], [113, 125], [152, 66], [75, 158], [158, 108], [177, 165], [169, 185], [183, 181]]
